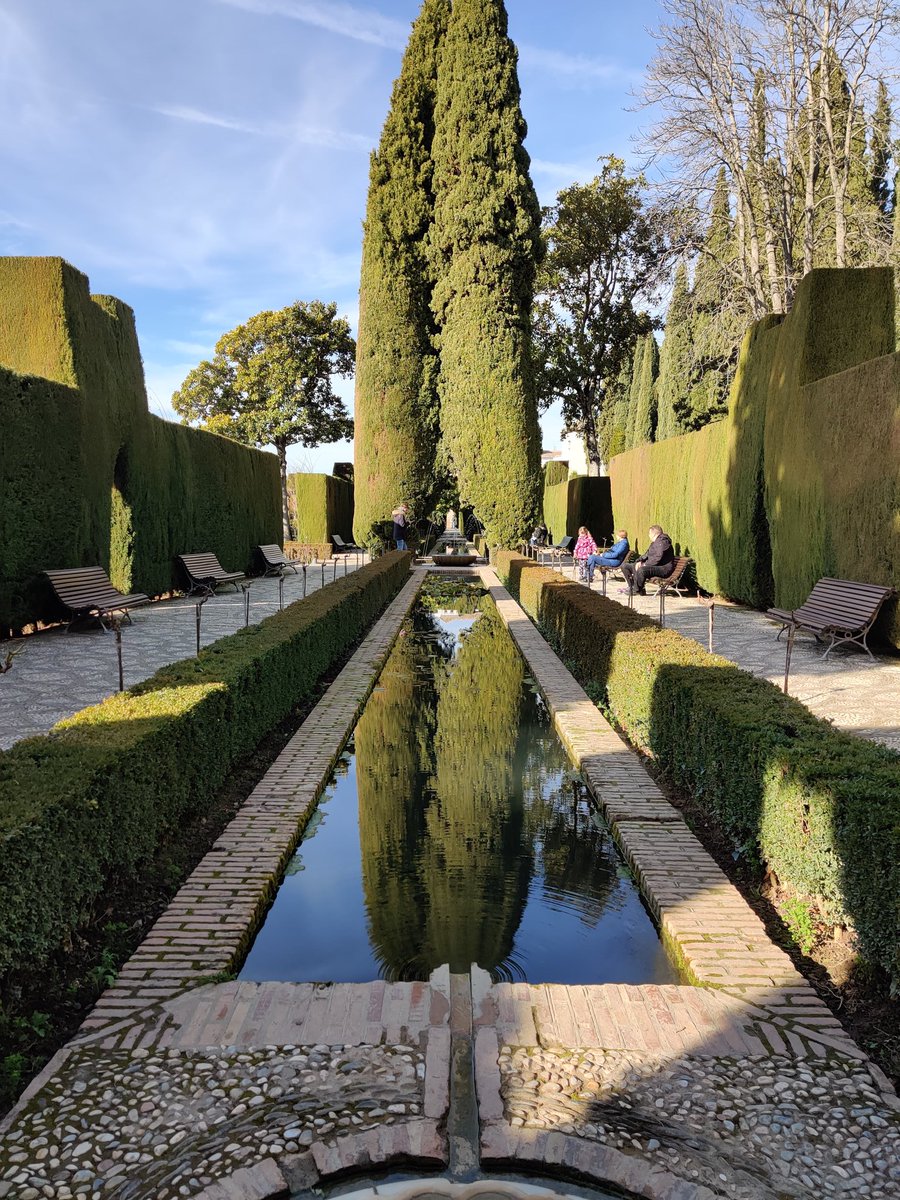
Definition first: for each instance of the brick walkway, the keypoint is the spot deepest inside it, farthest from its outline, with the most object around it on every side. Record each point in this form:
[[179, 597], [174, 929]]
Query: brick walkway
[[737, 1083], [59, 673]]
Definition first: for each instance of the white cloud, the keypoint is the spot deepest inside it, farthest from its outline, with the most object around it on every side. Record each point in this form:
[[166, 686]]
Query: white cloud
[[347, 20], [575, 68], [306, 135]]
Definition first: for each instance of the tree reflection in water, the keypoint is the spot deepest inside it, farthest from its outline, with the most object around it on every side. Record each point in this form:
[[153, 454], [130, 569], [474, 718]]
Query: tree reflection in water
[[461, 787]]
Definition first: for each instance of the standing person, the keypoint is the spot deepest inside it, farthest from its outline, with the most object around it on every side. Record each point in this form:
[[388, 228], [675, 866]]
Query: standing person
[[657, 563], [611, 558], [398, 516], [584, 548]]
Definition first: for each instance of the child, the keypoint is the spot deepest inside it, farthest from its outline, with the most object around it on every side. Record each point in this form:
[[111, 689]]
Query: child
[[584, 548]]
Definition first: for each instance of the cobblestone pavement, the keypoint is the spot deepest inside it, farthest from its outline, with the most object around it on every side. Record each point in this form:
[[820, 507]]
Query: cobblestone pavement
[[58, 673], [737, 1083], [857, 693]]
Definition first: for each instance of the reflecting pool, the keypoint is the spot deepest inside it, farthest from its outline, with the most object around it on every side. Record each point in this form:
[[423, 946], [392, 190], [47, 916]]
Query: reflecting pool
[[453, 831]]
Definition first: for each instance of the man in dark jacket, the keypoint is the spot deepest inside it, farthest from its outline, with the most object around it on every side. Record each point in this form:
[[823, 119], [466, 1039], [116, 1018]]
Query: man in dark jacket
[[657, 563]]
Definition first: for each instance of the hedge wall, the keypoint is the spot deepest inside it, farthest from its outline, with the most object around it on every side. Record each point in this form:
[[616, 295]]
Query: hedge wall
[[323, 506], [584, 500], [93, 799], [820, 807], [88, 475], [802, 477]]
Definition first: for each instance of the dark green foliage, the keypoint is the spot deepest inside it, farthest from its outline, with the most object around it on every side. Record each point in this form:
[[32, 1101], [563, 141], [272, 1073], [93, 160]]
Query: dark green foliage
[[642, 422], [801, 478], [486, 244], [818, 807], [396, 436], [881, 152], [87, 475], [674, 358], [713, 335], [98, 796], [323, 506]]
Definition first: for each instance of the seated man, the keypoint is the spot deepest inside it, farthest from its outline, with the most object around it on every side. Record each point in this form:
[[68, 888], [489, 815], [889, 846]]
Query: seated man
[[611, 558], [657, 563]]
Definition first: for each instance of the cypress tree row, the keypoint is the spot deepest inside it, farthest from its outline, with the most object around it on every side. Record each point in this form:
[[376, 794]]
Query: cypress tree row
[[487, 243], [396, 418]]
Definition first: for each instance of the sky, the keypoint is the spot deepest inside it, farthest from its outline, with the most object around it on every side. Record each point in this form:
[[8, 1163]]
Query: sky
[[204, 160]]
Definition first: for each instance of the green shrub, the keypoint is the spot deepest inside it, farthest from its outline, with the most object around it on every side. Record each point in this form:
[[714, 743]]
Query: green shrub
[[323, 506], [89, 476], [821, 808], [94, 798]]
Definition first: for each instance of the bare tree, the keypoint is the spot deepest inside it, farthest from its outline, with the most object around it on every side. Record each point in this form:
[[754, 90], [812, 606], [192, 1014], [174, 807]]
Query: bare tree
[[774, 91]]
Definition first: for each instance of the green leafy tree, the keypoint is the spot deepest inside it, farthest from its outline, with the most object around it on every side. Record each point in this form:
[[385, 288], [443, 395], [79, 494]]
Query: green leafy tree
[[270, 383], [603, 252], [486, 242], [396, 412]]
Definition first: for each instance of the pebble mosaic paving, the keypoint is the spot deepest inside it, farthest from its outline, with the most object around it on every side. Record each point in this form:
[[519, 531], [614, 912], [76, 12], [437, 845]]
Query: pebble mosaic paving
[[738, 1083]]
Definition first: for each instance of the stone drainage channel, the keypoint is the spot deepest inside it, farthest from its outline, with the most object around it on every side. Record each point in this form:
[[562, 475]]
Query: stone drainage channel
[[739, 1084]]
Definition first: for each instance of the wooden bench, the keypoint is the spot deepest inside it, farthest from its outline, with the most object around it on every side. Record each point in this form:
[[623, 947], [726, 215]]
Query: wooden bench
[[205, 573], [843, 610], [274, 560], [556, 553], [343, 547], [88, 592], [673, 582], [605, 572]]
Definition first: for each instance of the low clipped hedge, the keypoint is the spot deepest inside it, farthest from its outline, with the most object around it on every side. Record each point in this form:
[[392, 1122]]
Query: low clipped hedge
[[86, 804], [819, 807]]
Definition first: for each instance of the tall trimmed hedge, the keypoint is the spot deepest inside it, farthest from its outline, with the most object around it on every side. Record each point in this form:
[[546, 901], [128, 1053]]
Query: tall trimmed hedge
[[584, 500], [324, 506], [802, 477], [87, 475], [90, 802], [820, 807]]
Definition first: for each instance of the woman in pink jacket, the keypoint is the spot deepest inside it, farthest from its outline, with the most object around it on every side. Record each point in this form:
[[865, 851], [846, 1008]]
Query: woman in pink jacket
[[584, 548]]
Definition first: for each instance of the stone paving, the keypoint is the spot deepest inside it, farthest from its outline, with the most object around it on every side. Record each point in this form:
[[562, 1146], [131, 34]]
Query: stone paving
[[855, 692], [737, 1083], [58, 673]]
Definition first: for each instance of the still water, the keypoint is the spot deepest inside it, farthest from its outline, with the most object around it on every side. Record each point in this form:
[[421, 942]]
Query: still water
[[451, 833]]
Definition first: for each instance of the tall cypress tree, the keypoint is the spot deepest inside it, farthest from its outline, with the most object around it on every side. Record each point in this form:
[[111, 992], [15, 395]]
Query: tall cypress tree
[[644, 420], [675, 357], [880, 146], [396, 419], [487, 244], [634, 393], [714, 341]]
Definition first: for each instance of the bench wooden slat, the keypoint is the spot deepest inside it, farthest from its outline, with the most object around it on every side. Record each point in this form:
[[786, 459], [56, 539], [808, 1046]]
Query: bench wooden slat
[[274, 559], [204, 570], [844, 609], [88, 591]]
